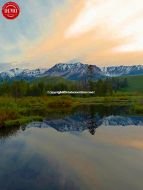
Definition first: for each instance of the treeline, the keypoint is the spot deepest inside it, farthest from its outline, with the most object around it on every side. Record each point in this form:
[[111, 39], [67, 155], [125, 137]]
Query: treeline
[[108, 86], [39, 88], [23, 88]]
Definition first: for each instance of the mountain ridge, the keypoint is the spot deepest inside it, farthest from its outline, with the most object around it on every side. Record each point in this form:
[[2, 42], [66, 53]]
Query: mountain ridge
[[72, 71]]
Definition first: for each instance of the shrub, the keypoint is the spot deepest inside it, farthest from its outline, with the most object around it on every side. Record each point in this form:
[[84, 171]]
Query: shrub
[[60, 103]]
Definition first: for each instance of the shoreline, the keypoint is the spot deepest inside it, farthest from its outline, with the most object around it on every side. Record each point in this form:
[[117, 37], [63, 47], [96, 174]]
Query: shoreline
[[20, 111]]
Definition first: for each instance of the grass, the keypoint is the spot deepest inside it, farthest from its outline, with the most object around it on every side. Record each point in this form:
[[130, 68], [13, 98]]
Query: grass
[[24, 110], [138, 109], [113, 100], [134, 84]]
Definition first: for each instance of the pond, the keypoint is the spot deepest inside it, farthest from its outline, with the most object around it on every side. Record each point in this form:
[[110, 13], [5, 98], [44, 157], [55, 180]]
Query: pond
[[93, 147]]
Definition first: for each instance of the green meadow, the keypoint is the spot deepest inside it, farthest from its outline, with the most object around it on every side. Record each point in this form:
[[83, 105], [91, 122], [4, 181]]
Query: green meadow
[[135, 84]]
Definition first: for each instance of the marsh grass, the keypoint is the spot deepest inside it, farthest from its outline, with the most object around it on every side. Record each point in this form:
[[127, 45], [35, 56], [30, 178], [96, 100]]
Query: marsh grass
[[138, 109], [24, 110]]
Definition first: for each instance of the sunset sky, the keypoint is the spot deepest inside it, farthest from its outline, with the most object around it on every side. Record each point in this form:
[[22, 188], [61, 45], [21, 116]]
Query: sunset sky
[[99, 32]]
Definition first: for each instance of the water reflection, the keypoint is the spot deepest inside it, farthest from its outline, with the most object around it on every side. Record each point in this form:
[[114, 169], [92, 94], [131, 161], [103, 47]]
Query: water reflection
[[81, 119], [7, 132], [62, 153], [90, 118]]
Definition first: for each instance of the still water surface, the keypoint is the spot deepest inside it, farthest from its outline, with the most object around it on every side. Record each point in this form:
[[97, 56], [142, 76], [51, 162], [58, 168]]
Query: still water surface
[[88, 149]]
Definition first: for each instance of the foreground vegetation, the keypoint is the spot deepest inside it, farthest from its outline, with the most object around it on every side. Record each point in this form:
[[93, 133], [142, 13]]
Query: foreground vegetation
[[24, 110], [24, 101], [20, 111]]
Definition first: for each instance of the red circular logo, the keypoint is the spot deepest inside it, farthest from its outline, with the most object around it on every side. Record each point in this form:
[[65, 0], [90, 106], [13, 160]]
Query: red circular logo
[[10, 10]]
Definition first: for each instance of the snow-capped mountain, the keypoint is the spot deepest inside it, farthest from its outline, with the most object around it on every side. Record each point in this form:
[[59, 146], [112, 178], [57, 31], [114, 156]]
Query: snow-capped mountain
[[21, 74], [72, 71], [123, 70], [11, 73]]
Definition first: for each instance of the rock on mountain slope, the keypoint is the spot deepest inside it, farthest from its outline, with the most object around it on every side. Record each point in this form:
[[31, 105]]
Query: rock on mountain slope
[[72, 71]]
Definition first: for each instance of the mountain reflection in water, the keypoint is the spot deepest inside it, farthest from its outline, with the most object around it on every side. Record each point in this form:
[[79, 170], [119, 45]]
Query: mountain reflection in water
[[90, 118], [87, 118], [80, 122], [62, 152]]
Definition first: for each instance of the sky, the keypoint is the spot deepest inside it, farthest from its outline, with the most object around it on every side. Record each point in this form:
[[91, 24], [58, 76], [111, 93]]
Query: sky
[[98, 32]]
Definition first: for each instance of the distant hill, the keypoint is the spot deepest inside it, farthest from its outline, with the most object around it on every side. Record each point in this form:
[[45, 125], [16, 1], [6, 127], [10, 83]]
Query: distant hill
[[135, 83]]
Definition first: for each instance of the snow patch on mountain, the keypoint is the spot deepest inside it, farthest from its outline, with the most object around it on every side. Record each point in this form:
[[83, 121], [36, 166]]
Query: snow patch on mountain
[[73, 71], [122, 70], [22, 73]]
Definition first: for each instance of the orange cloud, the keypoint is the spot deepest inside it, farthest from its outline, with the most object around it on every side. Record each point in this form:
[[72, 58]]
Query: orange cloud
[[111, 38]]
